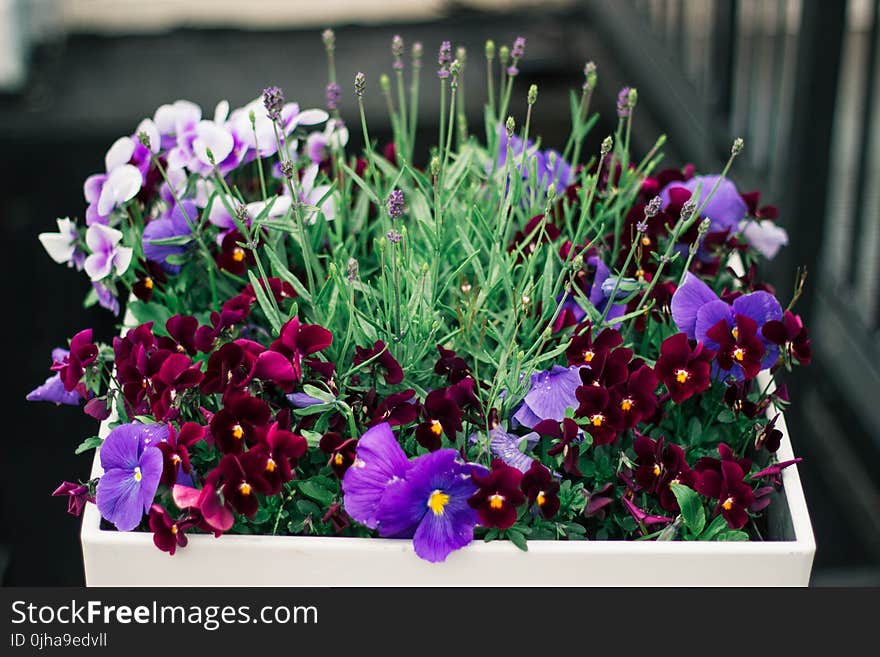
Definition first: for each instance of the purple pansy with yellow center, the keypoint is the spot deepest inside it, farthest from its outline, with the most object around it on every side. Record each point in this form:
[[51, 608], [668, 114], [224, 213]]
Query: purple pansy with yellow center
[[132, 468], [551, 393]]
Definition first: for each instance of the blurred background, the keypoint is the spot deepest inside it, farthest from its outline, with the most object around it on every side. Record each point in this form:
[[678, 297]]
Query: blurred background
[[797, 79]]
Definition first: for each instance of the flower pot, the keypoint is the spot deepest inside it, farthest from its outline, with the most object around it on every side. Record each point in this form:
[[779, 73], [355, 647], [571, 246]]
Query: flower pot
[[784, 558]]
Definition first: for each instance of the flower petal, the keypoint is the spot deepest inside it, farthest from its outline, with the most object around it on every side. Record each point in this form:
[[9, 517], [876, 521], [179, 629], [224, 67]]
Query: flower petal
[[687, 301]]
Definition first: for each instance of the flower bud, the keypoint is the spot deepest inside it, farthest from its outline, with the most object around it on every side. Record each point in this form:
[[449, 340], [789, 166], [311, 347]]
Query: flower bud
[[490, 49], [533, 94], [510, 125], [737, 147], [606, 145], [360, 84]]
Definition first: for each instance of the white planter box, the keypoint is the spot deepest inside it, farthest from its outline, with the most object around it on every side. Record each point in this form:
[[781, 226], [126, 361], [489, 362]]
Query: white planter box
[[130, 559]]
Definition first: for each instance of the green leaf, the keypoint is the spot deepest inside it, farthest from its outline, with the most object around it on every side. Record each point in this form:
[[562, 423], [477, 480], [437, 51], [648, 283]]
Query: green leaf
[[518, 539], [715, 527], [695, 431], [732, 535], [316, 492], [265, 303], [726, 416], [149, 312], [177, 258], [317, 393], [691, 506], [89, 443], [177, 240]]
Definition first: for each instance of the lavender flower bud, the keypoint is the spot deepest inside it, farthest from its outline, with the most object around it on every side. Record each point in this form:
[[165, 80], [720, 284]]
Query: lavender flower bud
[[511, 126], [287, 169], [241, 213], [444, 58], [533, 94], [252, 117], [606, 145], [273, 101], [395, 204], [351, 269], [704, 226], [737, 147], [519, 47], [512, 71], [504, 55], [360, 84], [455, 72], [642, 226], [144, 139], [490, 50], [632, 98], [435, 166], [623, 108], [385, 83], [332, 94], [589, 76], [417, 51], [397, 49], [461, 55], [688, 208], [653, 207], [329, 39], [394, 237]]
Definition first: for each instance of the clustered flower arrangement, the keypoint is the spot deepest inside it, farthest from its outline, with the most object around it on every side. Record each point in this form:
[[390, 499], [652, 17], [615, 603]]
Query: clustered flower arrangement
[[509, 342]]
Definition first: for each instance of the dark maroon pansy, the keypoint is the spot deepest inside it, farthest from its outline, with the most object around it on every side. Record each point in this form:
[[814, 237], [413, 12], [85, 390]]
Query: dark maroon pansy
[[241, 476], [736, 396], [175, 450], [395, 409], [340, 451], [682, 369], [541, 489], [177, 373], [77, 496], [726, 454], [773, 473], [440, 415], [337, 518], [734, 496], [596, 413], [450, 365], [608, 368], [182, 334], [536, 232], [275, 458], [498, 495], [299, 340], [230, 367], [634, 401], [380, 359], [564, 434], [659, 465], [769, 437], [233, 257], [83, 352], [739, 345], [168, 535], [597, 501], [242, 420], [281, 290], [149, 279], [790, 334], [582, 349]]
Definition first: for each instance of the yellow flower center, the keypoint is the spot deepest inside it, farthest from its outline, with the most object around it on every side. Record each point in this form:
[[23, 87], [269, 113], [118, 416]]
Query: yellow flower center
[[238, 254], [174, 528], [588, 356], [598, 419], [496, 501], [657, 470], [175, 459], [674, 482], [148, 283], [244, 488], [735, 332], [437, 501], [739, 354], [541, 500], [682, 375], [627, 404], [436, 427], [338, 459], [237, 431], [646, 241], [728, 504], [270, 465], [137, 474]]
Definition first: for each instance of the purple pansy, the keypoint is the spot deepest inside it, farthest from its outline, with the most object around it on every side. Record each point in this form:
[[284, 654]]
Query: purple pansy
[[551, 393], [107, 254], [178, 223], [600, 293], [696, 309], [549, 165], [726, 207], [132, 468], [506, 446], [765, 237], [431, 504], [53, 389], [379, 462], [106, 297]]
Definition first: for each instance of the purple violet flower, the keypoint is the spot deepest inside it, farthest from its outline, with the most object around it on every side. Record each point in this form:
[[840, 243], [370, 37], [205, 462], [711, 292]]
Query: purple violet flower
[[551, 393], [173, 224], [106, 297], [506, 446], [132, 468], [273, 101], [395, 204], [765, 237], [53, 389], [431, 504], [599, 292], [726, 207], [106, 255], [61, 246], [444, 58]]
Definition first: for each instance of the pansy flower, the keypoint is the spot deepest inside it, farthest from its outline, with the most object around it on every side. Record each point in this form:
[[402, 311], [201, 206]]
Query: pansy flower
[[298, 340], [597, 411], [430, 504], [341, 451], [379, 462], [634, 400], [551, 393], [682, 369], [132, 466], [179, 223], [769, 436], [498, 495], [790, 334], [739, 350], [276, 457], [541, 489], [506, 446], [440, 414], [380, 359], [168, 534], [642, 517], [77, 495], [451, 365], [566, 434], [175, 450], [242, 420], [62, 246], [241, 475], [71, 366], [215, 511], [660, 465], [396, 409], [734, 496], [582, 349], [53, 389], [726, 206]]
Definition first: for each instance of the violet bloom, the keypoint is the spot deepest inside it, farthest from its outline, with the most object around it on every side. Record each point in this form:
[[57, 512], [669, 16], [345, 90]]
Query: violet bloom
[[132, 469], [380, 461], [548, 165], [600, 292], [696, 309], [726, 207], [107, 255], [273, 207], [551, 393], [431, 505], [106, 297], [181, 221], [77, 496], [316, 196], [62, 246], [53, 389], [764, 236], [506, 446]]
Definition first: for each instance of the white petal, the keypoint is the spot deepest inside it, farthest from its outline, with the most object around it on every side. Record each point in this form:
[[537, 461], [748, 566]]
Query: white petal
[[123, 259], [221, 112], [58, 246], [121, 185], [120, 153], [147, 126], [308, 179], [211, 136], [311, 117], [98, 267], [100, 238], [187, 114], [165, 119]]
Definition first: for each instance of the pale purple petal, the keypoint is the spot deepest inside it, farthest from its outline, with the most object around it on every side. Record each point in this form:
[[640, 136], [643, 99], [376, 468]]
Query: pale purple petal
[[118, 497], [765, 237], [53, 391], [151, 472], [760, 306], [121, 448], [505, 446], [211, 136], [119, 153], [302, 400], [122, 185], [708, 316], [552, 392], [106, 298], [724, 209], [99, 265], [687, 301], [93, 186]]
